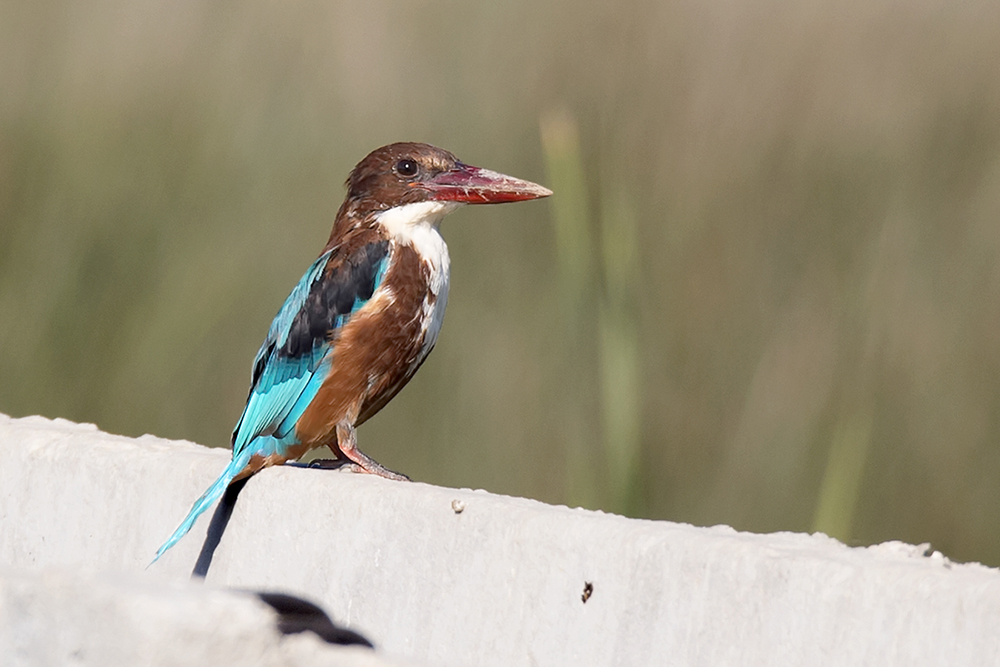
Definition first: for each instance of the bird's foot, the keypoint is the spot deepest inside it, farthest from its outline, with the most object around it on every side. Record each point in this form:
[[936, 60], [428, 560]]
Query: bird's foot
[[347, 447], [375, 469], [327, 464]]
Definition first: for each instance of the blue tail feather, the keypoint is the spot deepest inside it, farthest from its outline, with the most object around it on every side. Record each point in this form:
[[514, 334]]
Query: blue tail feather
[[207, 499]]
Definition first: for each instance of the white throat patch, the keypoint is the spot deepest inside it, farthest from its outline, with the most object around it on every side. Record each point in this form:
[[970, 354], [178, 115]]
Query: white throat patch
[[426, 213], [417, 225]]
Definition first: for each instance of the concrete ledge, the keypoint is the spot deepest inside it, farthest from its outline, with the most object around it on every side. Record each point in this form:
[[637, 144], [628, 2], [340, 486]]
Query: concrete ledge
[[69, 617], [500, 583]]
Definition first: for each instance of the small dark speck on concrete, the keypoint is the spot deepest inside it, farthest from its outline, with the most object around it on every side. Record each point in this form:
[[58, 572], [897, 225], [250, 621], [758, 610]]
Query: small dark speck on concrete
[[588, 590]]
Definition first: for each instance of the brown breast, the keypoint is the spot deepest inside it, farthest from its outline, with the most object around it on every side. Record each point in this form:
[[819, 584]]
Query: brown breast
[[374, 354]]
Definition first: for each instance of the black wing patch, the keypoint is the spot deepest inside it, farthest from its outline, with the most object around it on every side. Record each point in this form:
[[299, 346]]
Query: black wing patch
[[263, 356], [343, 288]]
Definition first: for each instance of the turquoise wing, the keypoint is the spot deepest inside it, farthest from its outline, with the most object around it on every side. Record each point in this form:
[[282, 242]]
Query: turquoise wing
[[296, 356], [294, 360]]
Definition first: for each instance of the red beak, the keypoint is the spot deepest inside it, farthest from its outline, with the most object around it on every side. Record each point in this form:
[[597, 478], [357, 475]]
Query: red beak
[[473, 185]]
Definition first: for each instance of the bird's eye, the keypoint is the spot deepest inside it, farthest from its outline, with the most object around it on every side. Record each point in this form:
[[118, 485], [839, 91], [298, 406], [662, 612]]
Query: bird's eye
[[406, 168]]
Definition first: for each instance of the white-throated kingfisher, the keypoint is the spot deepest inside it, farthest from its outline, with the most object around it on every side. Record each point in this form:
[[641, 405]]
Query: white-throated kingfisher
[[364, 316]]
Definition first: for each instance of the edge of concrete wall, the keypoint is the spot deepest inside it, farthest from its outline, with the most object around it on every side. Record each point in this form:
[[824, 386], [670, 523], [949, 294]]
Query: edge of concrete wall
[[501, 582]]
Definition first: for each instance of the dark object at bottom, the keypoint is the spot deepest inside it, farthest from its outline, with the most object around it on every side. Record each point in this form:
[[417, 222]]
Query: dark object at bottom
[[294, 614], [297, 615]]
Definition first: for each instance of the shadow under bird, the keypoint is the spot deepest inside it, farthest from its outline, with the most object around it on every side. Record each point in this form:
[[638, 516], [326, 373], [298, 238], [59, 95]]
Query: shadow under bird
[[364, 316]]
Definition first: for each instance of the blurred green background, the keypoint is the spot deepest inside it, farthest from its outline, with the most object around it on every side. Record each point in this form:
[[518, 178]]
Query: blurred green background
[[766, 293]]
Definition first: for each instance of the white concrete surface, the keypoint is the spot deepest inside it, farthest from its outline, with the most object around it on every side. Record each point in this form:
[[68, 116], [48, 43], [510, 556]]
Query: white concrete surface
[[64, 617], [499, 583]]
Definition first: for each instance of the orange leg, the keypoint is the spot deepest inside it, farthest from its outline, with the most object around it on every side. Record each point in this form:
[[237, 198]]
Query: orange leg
[[347, 447]]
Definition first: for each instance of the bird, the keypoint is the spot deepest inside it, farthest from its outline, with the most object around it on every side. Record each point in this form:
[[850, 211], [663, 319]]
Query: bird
[[363, 317]]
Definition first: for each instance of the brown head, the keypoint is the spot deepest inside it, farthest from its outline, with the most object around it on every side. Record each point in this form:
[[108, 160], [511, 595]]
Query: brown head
[[408, 173]]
